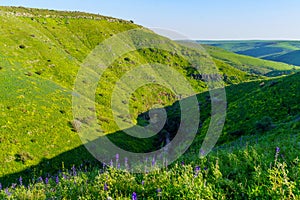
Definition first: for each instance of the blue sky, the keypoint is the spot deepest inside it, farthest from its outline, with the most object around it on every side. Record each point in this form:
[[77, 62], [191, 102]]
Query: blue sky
[[195, 19]]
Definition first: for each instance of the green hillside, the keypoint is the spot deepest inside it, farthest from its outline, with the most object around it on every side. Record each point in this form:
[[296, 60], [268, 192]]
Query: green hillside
[[42, 52], [278, 51], [292, 57], [251, 64]]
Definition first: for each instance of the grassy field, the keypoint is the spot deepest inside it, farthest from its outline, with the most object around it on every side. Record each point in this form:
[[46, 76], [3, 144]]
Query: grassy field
[[41, 55]]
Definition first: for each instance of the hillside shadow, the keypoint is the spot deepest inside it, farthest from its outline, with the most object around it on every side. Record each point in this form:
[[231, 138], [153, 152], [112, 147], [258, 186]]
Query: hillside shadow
[[84, 160]]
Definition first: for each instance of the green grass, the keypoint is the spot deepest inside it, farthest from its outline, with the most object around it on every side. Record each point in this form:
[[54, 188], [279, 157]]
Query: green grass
[[41, 55], [42, 52], [245, 171]]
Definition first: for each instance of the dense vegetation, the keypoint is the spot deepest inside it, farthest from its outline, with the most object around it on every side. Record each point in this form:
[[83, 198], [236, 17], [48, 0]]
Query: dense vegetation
[[42, 155]]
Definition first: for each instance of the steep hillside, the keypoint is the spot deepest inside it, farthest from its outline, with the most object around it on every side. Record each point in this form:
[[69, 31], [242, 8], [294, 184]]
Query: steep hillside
[[41, 54], [259, 149], [254, 109]]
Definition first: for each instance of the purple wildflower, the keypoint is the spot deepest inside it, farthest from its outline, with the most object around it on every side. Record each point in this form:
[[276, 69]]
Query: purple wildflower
[[143, 183], [134, 196], [0, 186], [7, 192], [111, 163], [277, 153], [21, 180], [197, 170], [117, 157], [105, 187], [40, 179], [205, 168], [182, 163], [74, 171], [13, 186], [57, 180], [46, 180], [153, 161], [202, 152]]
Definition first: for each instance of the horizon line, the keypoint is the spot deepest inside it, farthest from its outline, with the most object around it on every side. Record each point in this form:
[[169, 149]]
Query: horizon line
[[245, 39]]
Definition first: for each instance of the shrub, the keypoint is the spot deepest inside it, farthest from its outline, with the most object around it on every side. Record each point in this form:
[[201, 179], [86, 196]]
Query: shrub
[[23, 157], [265, 124], [39, 72], [237, 133], [22, 46], [127, 59]]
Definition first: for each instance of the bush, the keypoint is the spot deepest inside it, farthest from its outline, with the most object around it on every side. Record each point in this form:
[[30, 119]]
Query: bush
[[127, 59], [22, 46], [265, 124], [23, 157]]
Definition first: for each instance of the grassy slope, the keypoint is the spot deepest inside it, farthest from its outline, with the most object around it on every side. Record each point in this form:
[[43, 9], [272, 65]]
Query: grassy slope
[[26, 136], [247, 167], [249, 104], [246, 63], [37, 80], [278, 51]]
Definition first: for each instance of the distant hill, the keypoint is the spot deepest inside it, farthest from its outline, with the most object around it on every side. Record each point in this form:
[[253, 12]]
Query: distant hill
[[250, 64], [292, 57], [270, 50]]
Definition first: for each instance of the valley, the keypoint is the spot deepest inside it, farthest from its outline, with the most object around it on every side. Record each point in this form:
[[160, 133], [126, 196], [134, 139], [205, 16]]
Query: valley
[[43, 51]]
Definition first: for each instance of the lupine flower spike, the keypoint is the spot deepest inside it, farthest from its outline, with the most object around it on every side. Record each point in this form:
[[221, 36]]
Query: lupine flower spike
[[134, 196]]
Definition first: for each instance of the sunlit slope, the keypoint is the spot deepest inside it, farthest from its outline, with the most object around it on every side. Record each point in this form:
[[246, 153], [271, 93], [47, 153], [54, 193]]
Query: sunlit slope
[[40, 55]]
